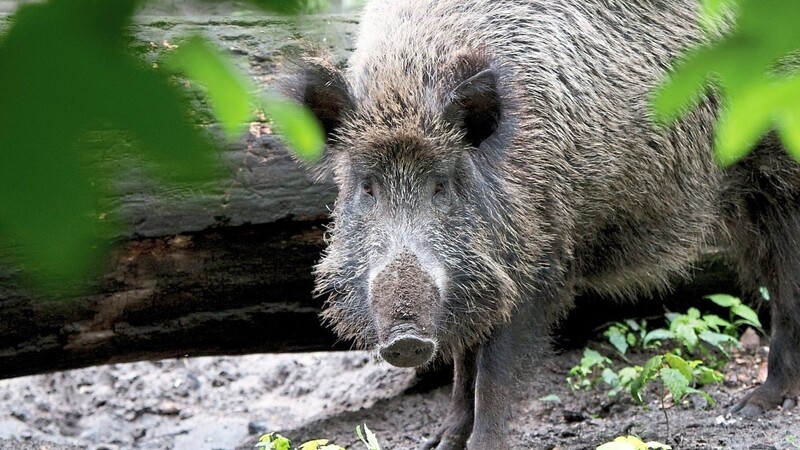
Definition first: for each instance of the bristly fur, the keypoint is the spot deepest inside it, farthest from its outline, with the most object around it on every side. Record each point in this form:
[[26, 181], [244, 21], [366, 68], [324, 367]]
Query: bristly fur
[[568, 179]]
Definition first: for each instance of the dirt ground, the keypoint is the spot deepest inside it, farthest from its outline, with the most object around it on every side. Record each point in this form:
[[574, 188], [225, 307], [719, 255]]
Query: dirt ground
[[226, 403]]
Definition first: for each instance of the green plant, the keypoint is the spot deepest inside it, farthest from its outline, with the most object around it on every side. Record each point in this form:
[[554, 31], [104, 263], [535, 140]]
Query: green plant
[[632, 443], [691, 328], [370, 440], [626, 334], [274, 441], [584, 374], [739, 313], [622, 380], [677, 375]]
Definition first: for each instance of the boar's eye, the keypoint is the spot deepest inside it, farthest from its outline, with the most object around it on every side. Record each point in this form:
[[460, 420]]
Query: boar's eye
[[440, 193], [366, 186]]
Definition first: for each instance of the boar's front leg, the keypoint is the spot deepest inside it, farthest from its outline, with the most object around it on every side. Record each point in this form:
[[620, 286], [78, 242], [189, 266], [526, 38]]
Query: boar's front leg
[[513, 351], [457, 426], [479, 403]]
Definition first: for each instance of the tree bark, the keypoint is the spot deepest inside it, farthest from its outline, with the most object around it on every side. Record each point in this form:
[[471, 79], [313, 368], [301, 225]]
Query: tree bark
[[231, 290]]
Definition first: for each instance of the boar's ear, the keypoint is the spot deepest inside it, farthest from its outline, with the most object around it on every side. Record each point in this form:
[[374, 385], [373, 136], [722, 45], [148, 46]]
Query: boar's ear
[[322, 89], [474, 107]]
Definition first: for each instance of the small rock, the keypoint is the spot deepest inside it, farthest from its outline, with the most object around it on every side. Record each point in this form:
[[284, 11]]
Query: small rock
[[743, 378], [724, 420], [257, 427], [169, 408], [750, 340]]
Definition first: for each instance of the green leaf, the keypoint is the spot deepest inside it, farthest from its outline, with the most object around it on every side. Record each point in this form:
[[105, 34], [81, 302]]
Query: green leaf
[[740, 125], [297, 125], [273, 441], [618, 339], [319, 444], [715, 322], [764, 293], [707, 375], [676, 383], [630, 373], [658, 335], [746, 313], [709, 400], [281, 443], [67, 64], [229, 93], [313, 445], [649, 371], [617, 446], [741, 65], [632, 324], [368, 438], [592, 358], [610, 377], [632, 443], [718, 340], [724, 300], [715, 7], [686, 334], [680, 364]]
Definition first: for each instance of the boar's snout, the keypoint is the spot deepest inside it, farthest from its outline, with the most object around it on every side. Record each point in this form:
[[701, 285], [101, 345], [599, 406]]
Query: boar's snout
[[408, 350], [405, 300]]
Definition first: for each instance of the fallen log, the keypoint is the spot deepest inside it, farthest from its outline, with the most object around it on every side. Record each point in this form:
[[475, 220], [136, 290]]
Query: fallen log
[[215, 269]]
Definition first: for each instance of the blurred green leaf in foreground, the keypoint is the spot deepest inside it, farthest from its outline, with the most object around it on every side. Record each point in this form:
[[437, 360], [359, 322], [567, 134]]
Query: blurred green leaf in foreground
[[233, 97], [754, 68], [65, 70]]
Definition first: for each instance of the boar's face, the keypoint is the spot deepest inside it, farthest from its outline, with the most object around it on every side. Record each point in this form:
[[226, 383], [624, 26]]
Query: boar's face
[[416, 260]]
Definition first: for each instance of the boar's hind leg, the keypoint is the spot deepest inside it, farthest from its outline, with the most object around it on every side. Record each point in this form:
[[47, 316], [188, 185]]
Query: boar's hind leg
[[767, 250], [457, 426]]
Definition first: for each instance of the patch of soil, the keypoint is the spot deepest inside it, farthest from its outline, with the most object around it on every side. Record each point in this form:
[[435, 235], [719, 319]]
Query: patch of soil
[[226, 403]]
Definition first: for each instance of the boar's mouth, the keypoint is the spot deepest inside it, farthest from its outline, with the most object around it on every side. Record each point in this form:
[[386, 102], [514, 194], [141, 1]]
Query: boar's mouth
[[405, 301]]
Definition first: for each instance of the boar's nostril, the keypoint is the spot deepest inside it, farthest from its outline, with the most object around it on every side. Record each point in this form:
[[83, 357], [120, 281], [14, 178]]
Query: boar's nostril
[[408, 351]]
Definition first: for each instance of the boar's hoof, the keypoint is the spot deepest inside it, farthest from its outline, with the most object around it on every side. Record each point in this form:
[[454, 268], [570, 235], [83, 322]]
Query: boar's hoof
[[762, 399], [408, 351]]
